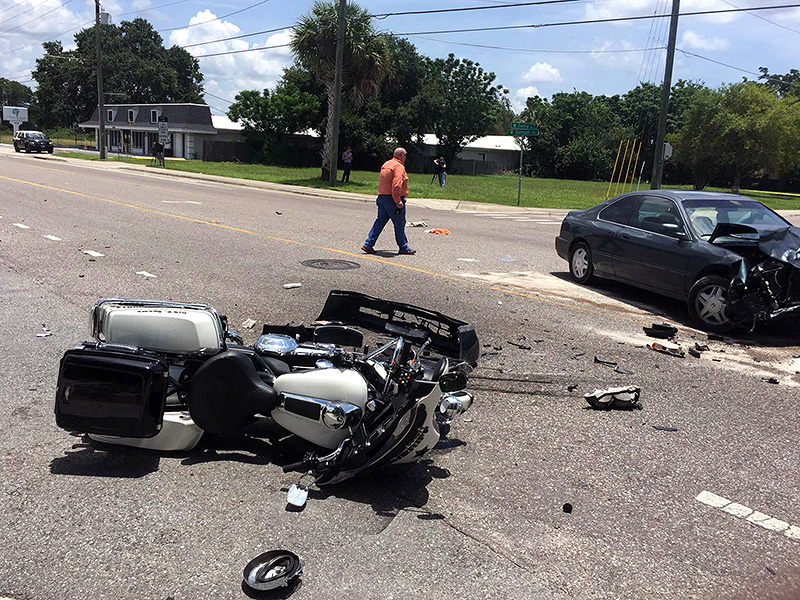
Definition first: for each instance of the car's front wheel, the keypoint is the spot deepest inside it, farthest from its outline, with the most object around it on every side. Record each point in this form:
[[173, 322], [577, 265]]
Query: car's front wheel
[[580, 263], [16, 148], [708, 303]]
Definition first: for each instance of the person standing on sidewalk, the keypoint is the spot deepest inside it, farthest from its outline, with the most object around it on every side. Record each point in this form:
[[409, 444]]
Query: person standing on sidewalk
[[391, 201], [347, 159]]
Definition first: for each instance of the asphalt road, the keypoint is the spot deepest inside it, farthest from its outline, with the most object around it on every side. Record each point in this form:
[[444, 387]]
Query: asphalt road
[[483, 517]]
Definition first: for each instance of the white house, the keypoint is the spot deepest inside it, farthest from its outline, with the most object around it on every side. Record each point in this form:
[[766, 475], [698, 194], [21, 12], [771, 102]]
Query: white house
[[132, 128], [487, 154]]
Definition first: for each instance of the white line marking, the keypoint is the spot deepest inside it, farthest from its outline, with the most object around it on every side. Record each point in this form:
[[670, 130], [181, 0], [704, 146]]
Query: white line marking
[[748, 514], [192, 202], [145, 274], [172, 202], [52, 237], [468, 259], [20, 225], [93, 253]]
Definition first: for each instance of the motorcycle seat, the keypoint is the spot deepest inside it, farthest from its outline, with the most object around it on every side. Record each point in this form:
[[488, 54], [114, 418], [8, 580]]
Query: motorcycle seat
[[226, 392]]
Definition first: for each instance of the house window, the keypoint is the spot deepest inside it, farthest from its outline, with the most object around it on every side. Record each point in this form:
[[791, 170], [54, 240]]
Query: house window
[[110, 115], [481, 155], [154, 116], [130, 116], [138, 139]]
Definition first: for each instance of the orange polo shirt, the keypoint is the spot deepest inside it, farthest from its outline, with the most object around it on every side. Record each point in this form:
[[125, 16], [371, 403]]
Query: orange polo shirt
[[393, 180]]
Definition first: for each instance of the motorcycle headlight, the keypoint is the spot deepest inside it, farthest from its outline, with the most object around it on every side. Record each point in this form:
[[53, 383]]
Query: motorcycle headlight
[[453, 404]]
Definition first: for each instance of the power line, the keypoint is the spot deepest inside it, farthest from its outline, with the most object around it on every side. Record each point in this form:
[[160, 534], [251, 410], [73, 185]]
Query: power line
[[24, 11], [137, 12], [217, 97], [62, 5], [470, 8], [597, 21], [241, 51], [236, 37], [230, 14], [540, 50], [687, 53], [765, 19]]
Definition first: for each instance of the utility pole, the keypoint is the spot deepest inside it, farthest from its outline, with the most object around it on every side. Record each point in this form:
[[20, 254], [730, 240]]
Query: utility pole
[[337, 94], [658, 160], [100, 104]]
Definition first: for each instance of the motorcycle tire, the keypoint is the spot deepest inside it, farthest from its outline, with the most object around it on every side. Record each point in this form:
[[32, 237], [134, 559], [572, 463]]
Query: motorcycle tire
[[271, 570]]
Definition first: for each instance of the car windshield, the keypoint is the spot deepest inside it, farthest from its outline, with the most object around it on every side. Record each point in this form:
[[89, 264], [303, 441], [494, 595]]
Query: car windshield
[[36, 136], [705, 214]]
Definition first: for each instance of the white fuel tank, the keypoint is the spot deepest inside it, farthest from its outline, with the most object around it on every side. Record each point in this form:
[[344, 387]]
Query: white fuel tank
[[331, 385]]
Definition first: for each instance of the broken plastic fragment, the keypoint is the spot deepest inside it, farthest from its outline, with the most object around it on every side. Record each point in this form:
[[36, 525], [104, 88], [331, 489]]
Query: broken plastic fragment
[[616, 397], [667, 348], [248, 324], [694, 352], [297, 495], [289, 286], [45, 332], [664, 428], [622, 370], [416, 224], [608, 363], [438, 231], [661, 330], [770, 380]]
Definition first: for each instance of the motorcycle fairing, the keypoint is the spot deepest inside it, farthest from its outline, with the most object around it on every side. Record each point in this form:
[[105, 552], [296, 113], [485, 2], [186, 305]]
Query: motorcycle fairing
[[448, 336]]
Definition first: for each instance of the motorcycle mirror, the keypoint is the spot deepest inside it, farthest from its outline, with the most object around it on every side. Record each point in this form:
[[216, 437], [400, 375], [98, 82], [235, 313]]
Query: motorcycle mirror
[[234, 337]]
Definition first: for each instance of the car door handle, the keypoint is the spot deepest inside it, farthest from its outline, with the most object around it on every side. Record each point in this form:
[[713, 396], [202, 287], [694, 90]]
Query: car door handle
[[625, 236]]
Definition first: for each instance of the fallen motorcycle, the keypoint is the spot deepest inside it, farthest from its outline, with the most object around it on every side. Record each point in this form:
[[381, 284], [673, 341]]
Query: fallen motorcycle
[[158, 374]]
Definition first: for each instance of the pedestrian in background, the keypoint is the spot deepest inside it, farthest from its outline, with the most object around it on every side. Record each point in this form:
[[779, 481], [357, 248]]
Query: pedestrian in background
[[347, 159], [391, 201], [440, 168]]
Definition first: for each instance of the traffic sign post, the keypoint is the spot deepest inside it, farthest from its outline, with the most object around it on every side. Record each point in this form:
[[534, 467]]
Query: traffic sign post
[[520, 130], [163, 130]]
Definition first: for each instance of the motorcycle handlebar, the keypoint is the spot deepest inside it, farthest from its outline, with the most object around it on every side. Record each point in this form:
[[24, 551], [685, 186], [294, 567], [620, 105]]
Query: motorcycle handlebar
[[298, 466]]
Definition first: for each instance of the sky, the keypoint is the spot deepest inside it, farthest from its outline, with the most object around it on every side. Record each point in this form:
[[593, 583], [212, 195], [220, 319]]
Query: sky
[[601, 58]]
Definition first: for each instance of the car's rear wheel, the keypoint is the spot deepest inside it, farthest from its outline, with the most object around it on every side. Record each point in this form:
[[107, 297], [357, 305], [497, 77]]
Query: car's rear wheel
[[708, 303], [580, 263]]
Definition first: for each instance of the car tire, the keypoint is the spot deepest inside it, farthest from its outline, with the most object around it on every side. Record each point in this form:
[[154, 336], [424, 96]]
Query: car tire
[[50, 151], [581, 267], [27, 149], [15, 148], [707, 303]]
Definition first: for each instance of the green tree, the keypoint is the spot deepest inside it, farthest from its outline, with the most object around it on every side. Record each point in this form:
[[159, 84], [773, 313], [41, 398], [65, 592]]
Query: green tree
[[461, 101], [136, 68], [268, 117], [782, 85], [365, 58], [14, 93], [697, 142]]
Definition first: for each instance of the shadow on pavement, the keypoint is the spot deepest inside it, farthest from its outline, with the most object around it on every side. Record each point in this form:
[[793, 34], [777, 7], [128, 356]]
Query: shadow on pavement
[[94, 459]]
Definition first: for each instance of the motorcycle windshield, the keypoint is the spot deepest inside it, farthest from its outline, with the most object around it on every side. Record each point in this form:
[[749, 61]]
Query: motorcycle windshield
[[448, 336]]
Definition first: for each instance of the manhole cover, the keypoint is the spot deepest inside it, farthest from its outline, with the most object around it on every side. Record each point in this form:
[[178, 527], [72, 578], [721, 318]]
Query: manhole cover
[[330, 265]]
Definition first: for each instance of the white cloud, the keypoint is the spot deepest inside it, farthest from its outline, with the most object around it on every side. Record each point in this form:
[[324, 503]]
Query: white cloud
[[141, 4], [622, 61], [228, 74], [540, 72], [521, 95], [692, 39], [604, 9]]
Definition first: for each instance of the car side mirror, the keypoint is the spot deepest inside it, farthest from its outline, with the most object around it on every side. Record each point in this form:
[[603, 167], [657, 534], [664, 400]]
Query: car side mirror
[[674, 230]]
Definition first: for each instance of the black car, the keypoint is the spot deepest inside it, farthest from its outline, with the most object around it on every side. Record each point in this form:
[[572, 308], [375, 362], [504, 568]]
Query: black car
[[733, 260], [32, 141]]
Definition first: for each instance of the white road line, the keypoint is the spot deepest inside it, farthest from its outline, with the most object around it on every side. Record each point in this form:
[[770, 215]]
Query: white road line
[[748, 514], [145, 274], [192, 202], [20, 225], [468, 259], [179, 202], [52, 237], [93, 253]]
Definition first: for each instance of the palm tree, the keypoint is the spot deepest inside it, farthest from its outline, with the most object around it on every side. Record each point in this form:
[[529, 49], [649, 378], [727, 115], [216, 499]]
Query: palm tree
[[365, 57]]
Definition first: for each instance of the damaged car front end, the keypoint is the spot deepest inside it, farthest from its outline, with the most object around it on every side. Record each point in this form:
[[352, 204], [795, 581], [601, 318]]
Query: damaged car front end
[[765, 283]]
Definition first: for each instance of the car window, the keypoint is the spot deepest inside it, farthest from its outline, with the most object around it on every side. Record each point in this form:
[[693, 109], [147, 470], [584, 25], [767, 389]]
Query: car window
[[658, 215], [619, 211], [704, 215]]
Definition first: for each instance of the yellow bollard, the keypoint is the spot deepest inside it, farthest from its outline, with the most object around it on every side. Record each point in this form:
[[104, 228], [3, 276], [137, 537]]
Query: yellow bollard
[[616, 160]]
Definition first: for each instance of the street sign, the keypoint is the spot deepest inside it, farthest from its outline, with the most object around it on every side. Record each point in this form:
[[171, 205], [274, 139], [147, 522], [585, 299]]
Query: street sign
[[520, 125], [163, 130], [667, 150], [522, 132]]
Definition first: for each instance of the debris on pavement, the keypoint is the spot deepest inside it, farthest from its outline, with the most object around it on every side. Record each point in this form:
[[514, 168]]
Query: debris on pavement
[[508, 259], [694, 352], [623, 370], [625, 397], [664, 428], [667, 348], [608, 363], [572, 387], [248, 324], [715, 337], [468, 259], [416, 224], [289, 286], [272, 570], [520, 346], [773, 380], [277, 212], [45, 332], [661, 330], [700, 347], [438, 231], [567, 508]]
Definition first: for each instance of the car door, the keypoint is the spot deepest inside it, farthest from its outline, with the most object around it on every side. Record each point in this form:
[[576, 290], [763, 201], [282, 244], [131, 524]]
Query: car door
[[653, 250]]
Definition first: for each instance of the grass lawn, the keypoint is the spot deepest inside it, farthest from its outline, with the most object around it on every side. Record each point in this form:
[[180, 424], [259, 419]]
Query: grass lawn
[[494, 189]]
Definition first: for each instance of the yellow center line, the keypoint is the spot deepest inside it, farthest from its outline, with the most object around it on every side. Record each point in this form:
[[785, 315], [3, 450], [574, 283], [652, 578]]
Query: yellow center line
[[376, 259]]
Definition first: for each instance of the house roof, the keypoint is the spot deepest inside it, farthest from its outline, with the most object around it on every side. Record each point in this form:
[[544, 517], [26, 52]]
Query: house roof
[[193, 118], [224, 123], [488, 142]]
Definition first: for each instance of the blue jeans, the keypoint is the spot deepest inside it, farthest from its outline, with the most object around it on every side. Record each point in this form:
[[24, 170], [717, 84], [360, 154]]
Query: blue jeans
[[442, 175], [386, 208]]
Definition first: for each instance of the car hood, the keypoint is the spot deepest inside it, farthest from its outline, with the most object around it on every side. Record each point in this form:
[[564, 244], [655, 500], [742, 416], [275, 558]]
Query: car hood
[[781, 244]]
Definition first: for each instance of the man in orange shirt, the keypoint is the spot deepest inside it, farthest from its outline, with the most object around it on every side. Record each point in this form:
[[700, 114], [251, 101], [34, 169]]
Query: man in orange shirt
[[391, 201]]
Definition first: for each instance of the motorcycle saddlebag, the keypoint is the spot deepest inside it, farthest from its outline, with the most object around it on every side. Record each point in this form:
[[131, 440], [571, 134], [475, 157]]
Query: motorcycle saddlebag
[[111, 391]]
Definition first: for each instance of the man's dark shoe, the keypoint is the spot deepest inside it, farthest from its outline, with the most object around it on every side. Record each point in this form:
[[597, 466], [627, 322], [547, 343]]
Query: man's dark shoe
[[367, 250], [408, 251]]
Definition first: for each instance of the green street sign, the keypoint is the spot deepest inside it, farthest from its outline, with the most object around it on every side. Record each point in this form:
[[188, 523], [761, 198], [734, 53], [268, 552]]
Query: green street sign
[[523, 132], [522, 125]]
